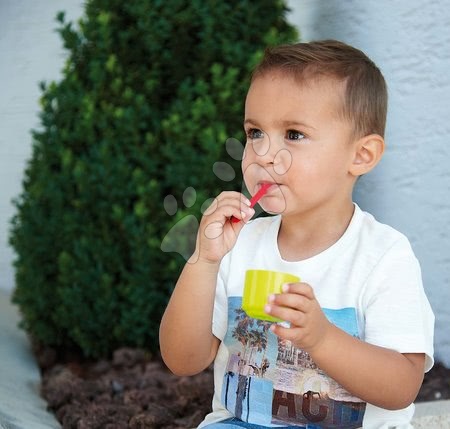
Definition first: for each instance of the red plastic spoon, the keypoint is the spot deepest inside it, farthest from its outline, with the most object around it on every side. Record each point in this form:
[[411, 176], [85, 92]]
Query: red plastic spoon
[[261, 192]]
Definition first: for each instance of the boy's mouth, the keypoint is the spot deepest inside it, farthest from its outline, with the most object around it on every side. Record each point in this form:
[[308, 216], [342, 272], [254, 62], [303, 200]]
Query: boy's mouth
[[266, 185]]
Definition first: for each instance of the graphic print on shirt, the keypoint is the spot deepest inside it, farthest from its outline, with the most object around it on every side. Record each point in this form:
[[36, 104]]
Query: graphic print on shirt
[[269, 382]]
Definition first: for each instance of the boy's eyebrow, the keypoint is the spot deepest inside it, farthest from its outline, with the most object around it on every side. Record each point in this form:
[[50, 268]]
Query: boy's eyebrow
[[285, 123], [250, 121], [296, 123]]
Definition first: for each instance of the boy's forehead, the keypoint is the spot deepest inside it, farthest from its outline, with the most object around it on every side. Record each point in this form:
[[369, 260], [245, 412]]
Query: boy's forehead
[[322, 89], [304, 80]]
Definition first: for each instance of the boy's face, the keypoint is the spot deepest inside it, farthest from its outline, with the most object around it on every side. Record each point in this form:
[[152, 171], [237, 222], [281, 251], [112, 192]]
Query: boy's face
[[297, 141]]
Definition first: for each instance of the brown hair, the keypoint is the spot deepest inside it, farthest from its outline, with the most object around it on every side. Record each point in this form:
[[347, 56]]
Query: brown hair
[[365, 99]]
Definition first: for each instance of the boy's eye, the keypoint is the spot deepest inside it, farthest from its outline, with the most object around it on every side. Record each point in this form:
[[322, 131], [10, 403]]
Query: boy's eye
[[294, 135], [254, 133]]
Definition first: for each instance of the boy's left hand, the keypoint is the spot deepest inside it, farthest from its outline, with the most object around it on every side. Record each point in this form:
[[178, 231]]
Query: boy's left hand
[[298, 306]]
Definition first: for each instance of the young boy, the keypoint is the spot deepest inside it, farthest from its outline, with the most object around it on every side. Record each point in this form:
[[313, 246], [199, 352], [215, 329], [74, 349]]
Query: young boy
[[358, 330]]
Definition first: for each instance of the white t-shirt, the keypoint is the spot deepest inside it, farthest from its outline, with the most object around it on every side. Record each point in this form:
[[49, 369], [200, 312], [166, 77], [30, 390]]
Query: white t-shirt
[[368, 283]]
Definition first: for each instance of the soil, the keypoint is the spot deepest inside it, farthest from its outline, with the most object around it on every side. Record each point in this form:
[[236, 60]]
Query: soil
[[135, 390]]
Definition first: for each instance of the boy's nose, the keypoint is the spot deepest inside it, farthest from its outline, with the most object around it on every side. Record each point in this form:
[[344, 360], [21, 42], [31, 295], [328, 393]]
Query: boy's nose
[[273, 153], [266, 149]]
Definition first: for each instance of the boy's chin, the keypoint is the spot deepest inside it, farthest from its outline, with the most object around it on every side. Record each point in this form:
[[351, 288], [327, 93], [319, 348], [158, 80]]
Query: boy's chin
[[269, 209]]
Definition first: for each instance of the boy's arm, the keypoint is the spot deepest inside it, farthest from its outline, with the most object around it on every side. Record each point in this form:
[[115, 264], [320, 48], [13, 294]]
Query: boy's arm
[[186, 340], [380, 376]]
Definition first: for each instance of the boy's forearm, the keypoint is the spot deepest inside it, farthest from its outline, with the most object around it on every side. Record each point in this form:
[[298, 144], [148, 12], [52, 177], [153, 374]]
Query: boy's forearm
[[377, 375], [186, 340]]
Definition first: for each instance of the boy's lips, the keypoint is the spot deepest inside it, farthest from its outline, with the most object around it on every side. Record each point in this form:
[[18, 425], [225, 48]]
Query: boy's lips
[[263, 188], [267, 185]]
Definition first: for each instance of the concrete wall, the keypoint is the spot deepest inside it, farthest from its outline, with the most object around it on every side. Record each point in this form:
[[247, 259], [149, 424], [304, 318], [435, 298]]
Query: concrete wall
[[410, 189], [408, 40], [30, 52]]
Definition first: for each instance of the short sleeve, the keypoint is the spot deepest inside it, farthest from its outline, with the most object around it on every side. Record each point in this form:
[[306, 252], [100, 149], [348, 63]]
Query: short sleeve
[[220, 314], [398, 315]]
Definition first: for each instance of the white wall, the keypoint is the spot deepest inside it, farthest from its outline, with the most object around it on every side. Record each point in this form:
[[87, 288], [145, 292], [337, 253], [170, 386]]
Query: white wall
[[30, 52], [410, 41], [410, 189]]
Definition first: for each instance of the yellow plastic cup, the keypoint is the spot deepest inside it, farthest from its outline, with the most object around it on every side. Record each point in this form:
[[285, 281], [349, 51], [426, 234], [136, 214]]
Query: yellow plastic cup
[[258, 285]]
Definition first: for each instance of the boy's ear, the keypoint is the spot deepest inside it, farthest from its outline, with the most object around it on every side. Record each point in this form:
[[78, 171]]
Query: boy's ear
[[368, 152]]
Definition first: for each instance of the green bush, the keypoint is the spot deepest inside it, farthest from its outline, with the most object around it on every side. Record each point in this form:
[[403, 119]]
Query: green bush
[[150, 92]]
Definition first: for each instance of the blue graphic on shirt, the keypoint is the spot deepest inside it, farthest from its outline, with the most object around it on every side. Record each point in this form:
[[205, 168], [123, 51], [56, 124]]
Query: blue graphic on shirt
[[236, 423], [271, 383]]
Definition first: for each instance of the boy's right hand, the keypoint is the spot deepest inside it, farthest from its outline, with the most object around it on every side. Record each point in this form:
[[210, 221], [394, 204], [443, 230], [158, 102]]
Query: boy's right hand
[[217, 233]]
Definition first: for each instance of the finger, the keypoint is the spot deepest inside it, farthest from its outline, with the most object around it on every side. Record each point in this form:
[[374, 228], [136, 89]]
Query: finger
[[243, 218], [286, 314], [243, 203], [212, 207], [228, 197], [300, 288], [215, 202], [291, 300], [214, 225], [213, 230], [234, 210], [290, 334], [235, 196], [223, 207]]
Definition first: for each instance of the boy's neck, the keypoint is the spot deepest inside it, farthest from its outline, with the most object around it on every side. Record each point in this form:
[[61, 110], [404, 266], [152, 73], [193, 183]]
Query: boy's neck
[[302, 237]]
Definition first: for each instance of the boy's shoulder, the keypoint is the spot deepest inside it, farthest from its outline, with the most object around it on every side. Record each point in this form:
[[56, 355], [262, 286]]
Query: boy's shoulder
[[377, 233]]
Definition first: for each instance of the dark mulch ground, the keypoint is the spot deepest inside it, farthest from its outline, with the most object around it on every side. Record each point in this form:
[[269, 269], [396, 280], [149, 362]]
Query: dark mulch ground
[[134, 390]]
